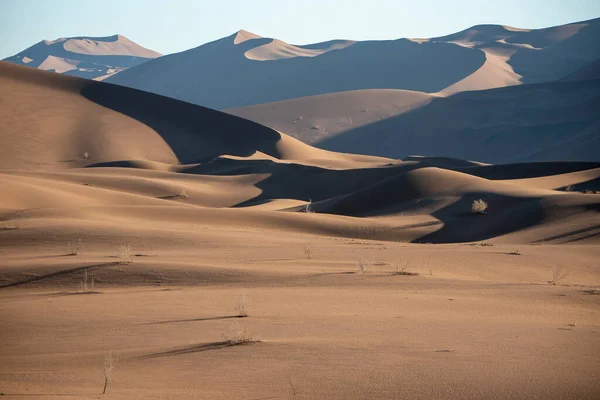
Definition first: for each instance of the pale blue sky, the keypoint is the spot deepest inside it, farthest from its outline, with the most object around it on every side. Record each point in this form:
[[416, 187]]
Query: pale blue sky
[[169, 26]]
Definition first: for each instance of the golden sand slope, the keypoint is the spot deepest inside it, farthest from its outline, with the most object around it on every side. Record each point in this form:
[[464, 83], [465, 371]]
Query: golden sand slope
[[141, 247]]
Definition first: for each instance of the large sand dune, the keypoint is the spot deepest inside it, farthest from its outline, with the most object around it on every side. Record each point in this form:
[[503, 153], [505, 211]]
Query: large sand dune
[[536, 122], [246, 69], [174, 210], [86, 57]]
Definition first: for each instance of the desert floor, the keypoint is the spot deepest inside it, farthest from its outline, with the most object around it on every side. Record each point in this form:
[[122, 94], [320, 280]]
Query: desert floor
[[477, 322]]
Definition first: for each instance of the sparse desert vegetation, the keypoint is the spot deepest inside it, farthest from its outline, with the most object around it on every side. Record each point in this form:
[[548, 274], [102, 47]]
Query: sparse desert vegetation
[[307, 252], [403, 271], [238, 334], [188, 212], [241, 306], [109, 366], [479, 207], [558, 274], [73, 248], [363, 266], [124, 254]]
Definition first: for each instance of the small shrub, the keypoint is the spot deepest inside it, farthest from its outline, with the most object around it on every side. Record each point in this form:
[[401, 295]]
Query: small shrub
[[85, 155], [237, 334], [308, 207], [479, 207], [403, 271], [109, 365], [557, 275], [515, 253], [363, 266], [83, 286], [124, 254], [307, 252], [182, 194], [241, 306], [72, 250]]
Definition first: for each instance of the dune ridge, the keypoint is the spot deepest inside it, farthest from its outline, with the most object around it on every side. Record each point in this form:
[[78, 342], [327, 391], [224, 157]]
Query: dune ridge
[[86, 57]]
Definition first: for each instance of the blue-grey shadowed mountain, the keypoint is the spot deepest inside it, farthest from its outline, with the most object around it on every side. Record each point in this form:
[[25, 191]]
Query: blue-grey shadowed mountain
[[84, 57], [245, 69]]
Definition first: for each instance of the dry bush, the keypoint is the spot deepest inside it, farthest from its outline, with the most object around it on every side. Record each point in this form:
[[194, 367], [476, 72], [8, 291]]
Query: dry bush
[[83, 285], [403, 271], [363, 266], [124, 254], [307, 252], [479, 207], [109, 366], [72, 250], [308, 207], [182, 194], [237, 334], [85, 155], [241, 306], [557, 275], [515, 253]]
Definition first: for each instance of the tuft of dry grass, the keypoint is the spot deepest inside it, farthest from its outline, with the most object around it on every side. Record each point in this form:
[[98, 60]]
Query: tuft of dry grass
[[363, 266], [479, 207], [124, 254], [83, 286], [515, 253], [403, 271], [85, 155], [241, 305], [182, 194], [72, 250], [237, 334], [308, 207], [557, 275], [307, 252], [109, 366]]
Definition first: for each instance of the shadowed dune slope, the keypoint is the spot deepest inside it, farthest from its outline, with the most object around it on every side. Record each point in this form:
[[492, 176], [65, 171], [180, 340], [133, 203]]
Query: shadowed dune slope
[[312, 119], [245, 69], [160, 167], [541, 122], [231, 73], [54, 121]]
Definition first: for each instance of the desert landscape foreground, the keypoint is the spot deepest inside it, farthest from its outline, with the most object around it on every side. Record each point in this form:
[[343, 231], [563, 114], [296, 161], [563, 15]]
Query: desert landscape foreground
[[159, 249]]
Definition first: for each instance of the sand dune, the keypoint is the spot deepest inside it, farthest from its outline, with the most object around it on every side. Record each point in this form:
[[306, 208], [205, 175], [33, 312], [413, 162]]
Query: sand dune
[[131, 223], [541, 122], [588, 72], [86, 57], [311, 119], [246, 69], [231, 72], [84, 123]]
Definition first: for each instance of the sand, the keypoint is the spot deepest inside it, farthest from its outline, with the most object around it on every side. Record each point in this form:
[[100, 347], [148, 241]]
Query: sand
[[527, 123], [246, 69], [86, 57], [175, 211]]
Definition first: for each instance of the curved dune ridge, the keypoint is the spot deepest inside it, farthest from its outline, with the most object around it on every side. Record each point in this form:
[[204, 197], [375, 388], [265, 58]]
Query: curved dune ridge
[[104, 154], [245, 69], [312, 119], [86, 57], [534, 122]]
